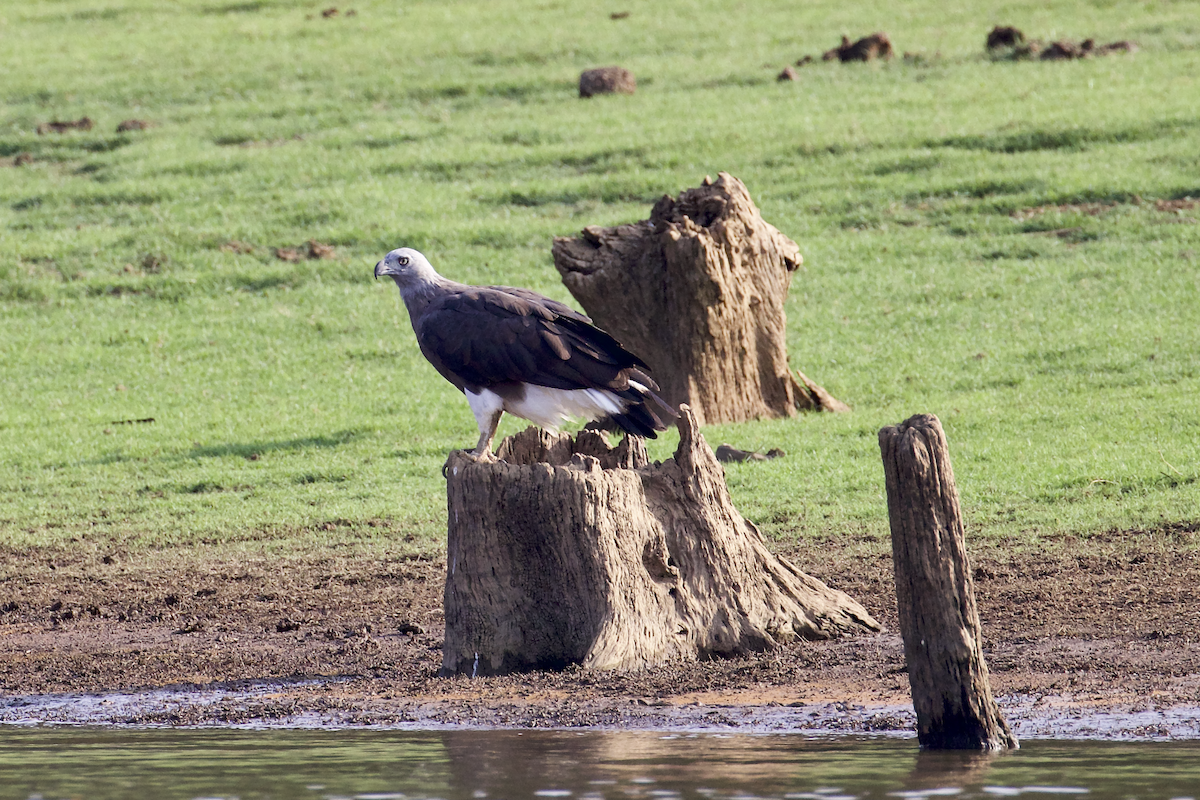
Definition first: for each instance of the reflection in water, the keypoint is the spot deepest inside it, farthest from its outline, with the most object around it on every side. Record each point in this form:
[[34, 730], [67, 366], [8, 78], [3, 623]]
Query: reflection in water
[[950, 768], [497, 765], [654, 766]]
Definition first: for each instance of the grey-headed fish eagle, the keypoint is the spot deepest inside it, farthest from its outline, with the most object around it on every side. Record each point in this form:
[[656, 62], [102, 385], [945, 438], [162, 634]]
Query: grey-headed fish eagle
[[514, 350]]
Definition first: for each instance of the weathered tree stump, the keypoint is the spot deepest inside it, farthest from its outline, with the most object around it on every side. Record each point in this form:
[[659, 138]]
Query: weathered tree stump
[[936, 594], [569, 551], [697, 291]]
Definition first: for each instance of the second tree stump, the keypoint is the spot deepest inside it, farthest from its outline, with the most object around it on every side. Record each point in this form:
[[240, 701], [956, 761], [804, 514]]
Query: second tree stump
[[697, 291], [568, 551], [935, 594]]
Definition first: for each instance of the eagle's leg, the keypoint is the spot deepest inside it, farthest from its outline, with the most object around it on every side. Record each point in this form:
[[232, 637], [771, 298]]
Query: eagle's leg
[[488, 407], [483, 450]]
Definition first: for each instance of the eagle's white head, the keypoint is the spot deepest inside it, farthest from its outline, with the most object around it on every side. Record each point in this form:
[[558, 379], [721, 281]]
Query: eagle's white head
[[408, 268]]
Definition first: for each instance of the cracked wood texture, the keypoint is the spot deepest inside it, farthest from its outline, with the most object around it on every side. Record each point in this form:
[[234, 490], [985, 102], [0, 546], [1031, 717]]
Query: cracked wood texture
[[935, 593], [697, 291], [568, 551]]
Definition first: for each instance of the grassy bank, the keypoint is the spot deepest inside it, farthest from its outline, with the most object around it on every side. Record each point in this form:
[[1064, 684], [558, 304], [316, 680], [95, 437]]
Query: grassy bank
[[1008, 245]]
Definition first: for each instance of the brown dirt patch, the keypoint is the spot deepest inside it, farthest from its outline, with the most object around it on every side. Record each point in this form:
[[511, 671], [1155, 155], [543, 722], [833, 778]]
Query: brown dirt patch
[[311, 250], [1091, 209], [62, 126], [1065, 50], [134, 125], [1083, 624], [236, 246], [1176, 206], [1007, 43], [868, 48]]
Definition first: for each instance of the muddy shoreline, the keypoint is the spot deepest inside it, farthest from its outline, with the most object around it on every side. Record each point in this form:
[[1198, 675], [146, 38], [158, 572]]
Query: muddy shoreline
[[332, 705], [1095, 638]]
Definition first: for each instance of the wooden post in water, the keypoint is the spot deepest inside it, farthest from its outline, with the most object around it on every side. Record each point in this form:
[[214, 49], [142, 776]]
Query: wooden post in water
[[936, 595]]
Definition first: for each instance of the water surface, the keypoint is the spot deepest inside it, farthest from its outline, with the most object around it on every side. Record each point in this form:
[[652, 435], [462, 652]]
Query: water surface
[[102, 763]]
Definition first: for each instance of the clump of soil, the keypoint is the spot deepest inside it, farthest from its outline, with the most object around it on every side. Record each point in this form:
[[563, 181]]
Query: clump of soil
[[235, 246], [729, 453], [153, 263], [21, 159], [1005, 42], [1065, 50], [1123, 46], [606, 80], [318, 250], [311, 251], [134, 125], [868, 48], [619, 15], [790, 73], [61, 126], [148, 264], [1004, 36]]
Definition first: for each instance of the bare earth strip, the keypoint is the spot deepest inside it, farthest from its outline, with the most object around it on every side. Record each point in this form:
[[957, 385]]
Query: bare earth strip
[[1095, 637]]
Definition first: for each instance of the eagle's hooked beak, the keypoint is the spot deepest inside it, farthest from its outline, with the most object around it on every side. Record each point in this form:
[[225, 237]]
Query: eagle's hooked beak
[[379, 270]]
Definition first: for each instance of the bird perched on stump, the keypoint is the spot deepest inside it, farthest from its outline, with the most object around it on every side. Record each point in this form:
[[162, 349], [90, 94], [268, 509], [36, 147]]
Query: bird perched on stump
[[514, 350]]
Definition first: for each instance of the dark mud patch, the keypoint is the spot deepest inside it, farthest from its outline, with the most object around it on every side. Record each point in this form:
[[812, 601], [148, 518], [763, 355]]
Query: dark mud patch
[[1095, 637], [134, 125], [237, 247], [312, 250], [873, 47], [868, 48], [62, 126], [1005, 42]]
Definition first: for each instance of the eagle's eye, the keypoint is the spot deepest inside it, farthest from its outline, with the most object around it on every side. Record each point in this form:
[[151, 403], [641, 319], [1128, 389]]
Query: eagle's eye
[[402, 260]]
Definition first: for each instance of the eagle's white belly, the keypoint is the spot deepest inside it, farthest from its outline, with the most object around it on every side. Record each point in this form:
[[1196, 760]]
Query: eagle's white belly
[[545, 407]]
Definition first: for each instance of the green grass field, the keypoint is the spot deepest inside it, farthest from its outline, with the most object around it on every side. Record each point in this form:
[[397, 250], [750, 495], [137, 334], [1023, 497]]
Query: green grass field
[[1060, 347]]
